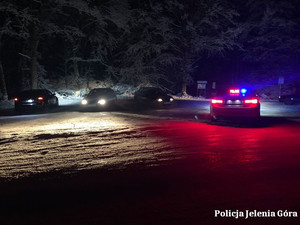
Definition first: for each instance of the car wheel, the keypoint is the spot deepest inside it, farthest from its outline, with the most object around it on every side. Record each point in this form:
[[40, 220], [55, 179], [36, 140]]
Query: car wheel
[[56, 103], [45, 106], [17, 109], [213, 118], [254, 121]]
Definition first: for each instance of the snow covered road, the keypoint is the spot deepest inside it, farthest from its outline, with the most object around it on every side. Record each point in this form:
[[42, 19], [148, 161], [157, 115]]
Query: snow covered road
[[76, 141], [162, 166], [73, 141]]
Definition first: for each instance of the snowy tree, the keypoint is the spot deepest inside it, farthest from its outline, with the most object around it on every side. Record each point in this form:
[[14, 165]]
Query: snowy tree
[[201, 28], [270, 37], [140, 50], [101, 25], [11, 28], [41, 21], [34, 20], [175, 35]]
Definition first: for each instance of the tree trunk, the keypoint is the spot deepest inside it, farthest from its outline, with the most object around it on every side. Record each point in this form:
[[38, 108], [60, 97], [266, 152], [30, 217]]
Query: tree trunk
[[3, 83], [184, 84], [186, 71], [184, 78], [76, 73], [34, 42], [3, 89]]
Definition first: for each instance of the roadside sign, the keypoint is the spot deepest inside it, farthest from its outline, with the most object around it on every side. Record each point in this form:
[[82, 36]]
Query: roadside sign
[[213, 86], [201, 84], [281, 80]]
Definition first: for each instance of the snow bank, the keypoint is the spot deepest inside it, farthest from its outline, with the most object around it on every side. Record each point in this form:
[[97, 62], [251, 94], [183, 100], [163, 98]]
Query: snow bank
[[69, 97], [6, 104], [181, 96]]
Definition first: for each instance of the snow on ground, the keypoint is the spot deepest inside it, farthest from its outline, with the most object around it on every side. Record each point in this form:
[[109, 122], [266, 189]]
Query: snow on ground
[[189, 97], [75, 141], [275, 108], [63, 141], [68, 99], [6, 104]]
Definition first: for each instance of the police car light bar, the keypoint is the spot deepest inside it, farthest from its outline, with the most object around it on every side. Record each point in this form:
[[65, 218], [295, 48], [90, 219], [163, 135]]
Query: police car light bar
[[243, 90], [234, 91]]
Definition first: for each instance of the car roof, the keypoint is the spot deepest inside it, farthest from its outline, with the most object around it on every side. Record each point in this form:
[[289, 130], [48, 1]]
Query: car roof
[[34, 90], [101, 89], [149, 88]]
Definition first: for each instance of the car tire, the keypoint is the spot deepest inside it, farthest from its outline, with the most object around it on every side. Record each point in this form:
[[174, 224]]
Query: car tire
[[213, 118], [56, 103], [45, 106], [254, 121], [17, 109]]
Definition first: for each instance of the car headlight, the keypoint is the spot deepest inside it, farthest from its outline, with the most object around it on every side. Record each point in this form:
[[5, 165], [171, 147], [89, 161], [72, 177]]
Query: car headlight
[[159, 100], [171, 99], [84, 102], [101, 102]]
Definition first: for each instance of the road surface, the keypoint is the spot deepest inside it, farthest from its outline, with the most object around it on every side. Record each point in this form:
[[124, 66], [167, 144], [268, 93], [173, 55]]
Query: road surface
[[161, 166]]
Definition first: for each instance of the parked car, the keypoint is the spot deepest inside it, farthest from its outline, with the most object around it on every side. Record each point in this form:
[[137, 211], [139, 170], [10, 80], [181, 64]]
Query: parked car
[[235, 103], [35, 99], [289, 99], [100, 98], [152, 96]]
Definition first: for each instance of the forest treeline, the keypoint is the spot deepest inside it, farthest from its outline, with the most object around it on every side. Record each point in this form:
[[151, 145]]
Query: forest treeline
[[131, 41]]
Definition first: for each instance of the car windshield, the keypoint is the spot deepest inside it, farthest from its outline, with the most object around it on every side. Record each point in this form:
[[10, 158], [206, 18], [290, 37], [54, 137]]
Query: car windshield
[[100, 91], [153, 91]]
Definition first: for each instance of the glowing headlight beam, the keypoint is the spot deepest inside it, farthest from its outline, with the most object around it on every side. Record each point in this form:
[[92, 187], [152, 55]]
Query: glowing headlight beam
[[84, 102], [159, 100], [102, 102]]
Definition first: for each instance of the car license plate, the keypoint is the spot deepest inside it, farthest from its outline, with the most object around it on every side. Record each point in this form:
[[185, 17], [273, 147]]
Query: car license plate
[[28, 101], [233, 102]]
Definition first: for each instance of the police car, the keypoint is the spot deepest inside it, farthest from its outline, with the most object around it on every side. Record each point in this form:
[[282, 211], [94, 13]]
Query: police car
[[235, 103]]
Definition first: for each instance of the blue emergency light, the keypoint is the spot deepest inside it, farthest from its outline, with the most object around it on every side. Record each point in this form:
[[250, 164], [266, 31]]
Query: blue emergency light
[[243, 90]]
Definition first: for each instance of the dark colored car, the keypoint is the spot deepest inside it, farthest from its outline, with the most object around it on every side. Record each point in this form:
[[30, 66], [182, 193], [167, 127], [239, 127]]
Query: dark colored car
[[235, 103], [35, 99], [153, 96], [100, 97], [289, 99]]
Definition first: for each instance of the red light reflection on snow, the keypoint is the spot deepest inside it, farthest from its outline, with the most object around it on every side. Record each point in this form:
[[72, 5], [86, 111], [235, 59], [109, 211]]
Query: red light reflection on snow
[[231, 145]]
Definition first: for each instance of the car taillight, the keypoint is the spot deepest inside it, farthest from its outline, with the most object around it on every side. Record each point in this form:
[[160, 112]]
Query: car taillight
[[251, 101], [16, 99], [217, 101], [40, 98]]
